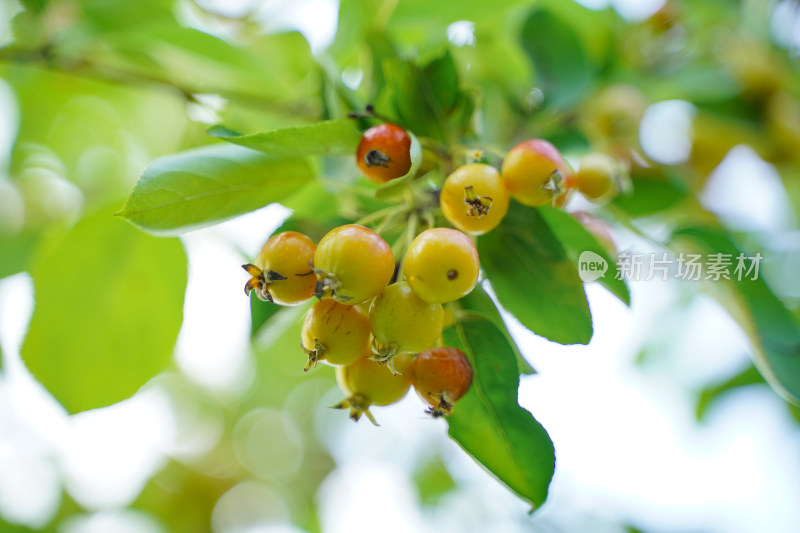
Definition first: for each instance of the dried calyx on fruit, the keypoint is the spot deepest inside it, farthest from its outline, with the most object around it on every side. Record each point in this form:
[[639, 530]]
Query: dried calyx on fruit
[[335, 333], [535, 173], [384, 153], [402, 322], [367, 383], [352, 264], [441, 376], [281, 273], [474, 198]]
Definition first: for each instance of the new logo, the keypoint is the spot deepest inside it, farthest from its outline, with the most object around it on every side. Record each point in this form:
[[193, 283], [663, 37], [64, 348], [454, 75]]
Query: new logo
[[591, 266]]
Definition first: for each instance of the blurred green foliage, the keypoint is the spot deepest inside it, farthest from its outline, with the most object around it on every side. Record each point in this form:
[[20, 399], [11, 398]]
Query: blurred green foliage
[[103, 275]]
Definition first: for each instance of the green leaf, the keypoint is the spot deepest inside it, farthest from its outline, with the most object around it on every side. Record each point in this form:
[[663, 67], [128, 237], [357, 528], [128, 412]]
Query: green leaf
[[710, 394], [444, 12], [534, 278], [27, 27], [7, 527], [206, 185], [279, 359], [772, 328], [424, 97], [794, 411], [576, 239], [558, 56], [479, 300], [331, 137], [440, 83], [109, 304], [355, 18], [260, 313], [489, 424], [397, 187], [597, 30], [651, 195], [34, 5], [405, 96], [125, 15], [433, 481], [313, 200], [15, 253], [700, 83], [273, 71], [381, 48]]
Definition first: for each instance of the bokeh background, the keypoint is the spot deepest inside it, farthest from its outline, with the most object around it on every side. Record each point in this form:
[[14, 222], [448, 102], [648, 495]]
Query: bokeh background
[[661, 423]]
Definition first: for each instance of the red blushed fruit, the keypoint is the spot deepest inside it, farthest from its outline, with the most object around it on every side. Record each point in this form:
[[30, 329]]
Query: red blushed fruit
[[534, 173], [384, 153], [441, 376]]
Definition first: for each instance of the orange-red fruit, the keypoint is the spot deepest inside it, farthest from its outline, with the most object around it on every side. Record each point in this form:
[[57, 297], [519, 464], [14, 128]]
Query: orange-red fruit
[[534, 172], [441, 376], [384, 153]]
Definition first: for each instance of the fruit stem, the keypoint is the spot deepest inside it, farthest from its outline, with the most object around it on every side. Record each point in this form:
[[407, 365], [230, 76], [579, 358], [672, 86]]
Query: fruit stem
[[496, 150], [380, 214], [429, 220], [441, 150], [390, 219], [338, 186], [399, 245], [369, 112], [410, 235]]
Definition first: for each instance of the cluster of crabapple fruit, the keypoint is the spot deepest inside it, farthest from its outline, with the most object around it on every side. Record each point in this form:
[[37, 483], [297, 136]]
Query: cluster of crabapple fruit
[[475, 197], [380, 326], [381, 337]]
